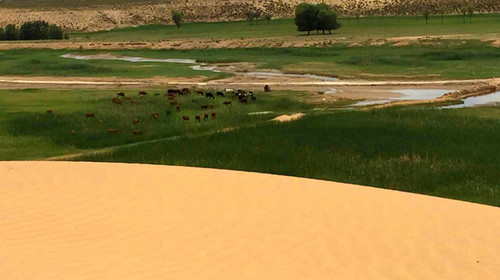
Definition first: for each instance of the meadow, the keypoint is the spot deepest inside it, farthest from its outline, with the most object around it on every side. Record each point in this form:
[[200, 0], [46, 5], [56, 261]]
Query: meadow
[[447, 59], [366, 28], [27, 131], [429, 151]]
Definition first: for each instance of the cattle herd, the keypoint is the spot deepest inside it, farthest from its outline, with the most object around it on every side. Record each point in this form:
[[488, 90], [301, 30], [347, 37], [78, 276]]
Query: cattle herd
[[242, 97]]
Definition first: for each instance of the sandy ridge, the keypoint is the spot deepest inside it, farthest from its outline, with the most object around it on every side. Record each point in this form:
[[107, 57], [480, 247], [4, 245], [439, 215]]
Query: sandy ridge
[[64, 220]]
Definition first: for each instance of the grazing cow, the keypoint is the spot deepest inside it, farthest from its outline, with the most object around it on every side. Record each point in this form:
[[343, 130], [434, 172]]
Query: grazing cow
[[252, 96], [122, 94], [185, 118], [90, 115], [204, 107], [50, 111], [155, 116], [205, 117], [173, 102], [99, 121], [178, 108], [170, 91], [200, 93], [213, 115], [244, 100], [71, 132], [221, 94], [267, 88], [59, 115], [227, 103], [185, 91], [209, 95], [198, 118], [157, 94], [170, 95], [137, 132], [112, 130], [143, 93], [136, 121], [117, 100]]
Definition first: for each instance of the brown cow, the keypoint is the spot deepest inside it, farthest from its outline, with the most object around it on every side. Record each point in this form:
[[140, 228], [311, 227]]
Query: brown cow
[[137, 132], [117, 100], [227, 103], [99, 121], [185, 118], [50, 111], [198, 118], [71, 132], [267, 88], [136, 121], [178, 108], [213, 115], [155, 116], [113, 131], [59, 115], [205, 117], [90, 115], [204, 107], [143, 93], [186, 91]]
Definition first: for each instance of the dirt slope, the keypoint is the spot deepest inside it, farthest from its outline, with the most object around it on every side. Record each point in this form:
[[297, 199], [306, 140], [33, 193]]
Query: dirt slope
[[64, 220]]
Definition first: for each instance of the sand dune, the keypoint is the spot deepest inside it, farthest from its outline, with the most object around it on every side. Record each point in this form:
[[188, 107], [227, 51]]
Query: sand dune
[[62, 220]]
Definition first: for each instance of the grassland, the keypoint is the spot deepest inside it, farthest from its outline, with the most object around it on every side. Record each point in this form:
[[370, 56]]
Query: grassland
[[440, 153], [443, 60], [365, 29], [28, 132]]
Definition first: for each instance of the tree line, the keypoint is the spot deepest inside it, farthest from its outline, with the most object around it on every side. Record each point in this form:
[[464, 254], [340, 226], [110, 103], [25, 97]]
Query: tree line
[[32, 30]]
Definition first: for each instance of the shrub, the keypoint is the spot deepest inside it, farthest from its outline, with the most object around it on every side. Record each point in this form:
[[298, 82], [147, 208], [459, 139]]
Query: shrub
[[11, 32]]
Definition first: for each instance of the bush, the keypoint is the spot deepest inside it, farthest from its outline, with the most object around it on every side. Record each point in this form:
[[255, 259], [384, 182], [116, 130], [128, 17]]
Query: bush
[[177, 17], [32, 30], [11, 33]]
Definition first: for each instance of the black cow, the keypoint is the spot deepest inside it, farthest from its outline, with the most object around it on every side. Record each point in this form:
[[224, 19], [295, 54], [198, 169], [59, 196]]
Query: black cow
[[221, 94], [209, 95]]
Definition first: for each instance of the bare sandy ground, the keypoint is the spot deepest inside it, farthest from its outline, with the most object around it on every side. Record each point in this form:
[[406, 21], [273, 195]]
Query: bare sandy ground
[[62, 220]]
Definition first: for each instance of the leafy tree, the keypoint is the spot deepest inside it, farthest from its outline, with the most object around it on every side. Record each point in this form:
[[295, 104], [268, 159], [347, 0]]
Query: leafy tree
[[268, 17], [178, 18], [2, 34], [252, 15], [427, 14], [34, 30], [470, 12], [11, 32], [305, 17], [55, 32], [442, 11], [463, 10], [326, 18]]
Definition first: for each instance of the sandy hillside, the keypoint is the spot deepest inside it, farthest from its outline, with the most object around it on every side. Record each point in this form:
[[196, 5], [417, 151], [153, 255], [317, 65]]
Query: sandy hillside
[[64, 220]]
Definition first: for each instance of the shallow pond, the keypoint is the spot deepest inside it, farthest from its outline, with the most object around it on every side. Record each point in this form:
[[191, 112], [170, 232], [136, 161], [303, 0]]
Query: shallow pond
[[477, 101]]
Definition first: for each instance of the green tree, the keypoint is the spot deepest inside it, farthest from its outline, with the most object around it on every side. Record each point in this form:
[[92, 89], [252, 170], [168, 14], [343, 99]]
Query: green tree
[[463, 10], [268, 17], [11, 32], [326, 18], [427, 14], [34, 30], [178, 18], [252, 15], [305, 17], [55, 32], [2, 34], [470, 12]]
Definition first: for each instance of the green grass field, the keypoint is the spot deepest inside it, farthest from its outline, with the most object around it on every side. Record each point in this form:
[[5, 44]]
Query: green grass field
[[445, 60], [367, 28], [428, 151], [28, 132]]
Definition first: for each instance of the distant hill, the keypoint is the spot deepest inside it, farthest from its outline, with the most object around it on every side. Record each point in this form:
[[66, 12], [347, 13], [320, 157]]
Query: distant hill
[[91, 15]]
